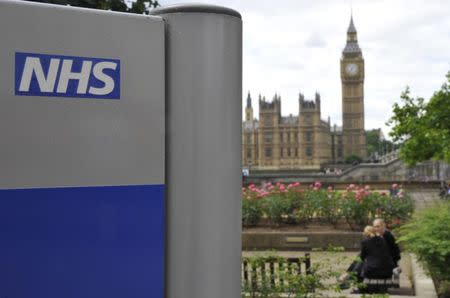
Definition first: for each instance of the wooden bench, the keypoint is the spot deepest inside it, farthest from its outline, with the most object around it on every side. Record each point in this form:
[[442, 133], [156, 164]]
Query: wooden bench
[[380, 285], [268, 271]]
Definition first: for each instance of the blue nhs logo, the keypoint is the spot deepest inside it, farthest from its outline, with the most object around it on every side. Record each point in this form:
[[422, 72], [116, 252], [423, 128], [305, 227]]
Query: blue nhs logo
[[66, 76]]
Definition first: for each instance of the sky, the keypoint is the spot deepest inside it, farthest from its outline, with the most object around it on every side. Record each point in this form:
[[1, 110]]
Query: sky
[[292, 46]]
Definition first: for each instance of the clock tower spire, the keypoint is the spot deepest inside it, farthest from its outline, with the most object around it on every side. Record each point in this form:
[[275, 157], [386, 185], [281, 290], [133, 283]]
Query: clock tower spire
[[352, 78]]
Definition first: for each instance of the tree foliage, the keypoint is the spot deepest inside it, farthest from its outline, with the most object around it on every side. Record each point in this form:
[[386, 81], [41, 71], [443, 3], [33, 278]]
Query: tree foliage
[[428, 236], [353, 159], [376, 144], [138, 6], [423, 128]]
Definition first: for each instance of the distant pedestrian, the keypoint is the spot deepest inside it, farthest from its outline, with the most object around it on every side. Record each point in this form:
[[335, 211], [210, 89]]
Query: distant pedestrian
[[393, 191]]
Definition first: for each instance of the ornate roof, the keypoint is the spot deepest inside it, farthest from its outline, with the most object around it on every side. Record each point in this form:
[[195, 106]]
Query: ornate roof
[[352, 47], [289, 120], [250, 125], [352, 42]]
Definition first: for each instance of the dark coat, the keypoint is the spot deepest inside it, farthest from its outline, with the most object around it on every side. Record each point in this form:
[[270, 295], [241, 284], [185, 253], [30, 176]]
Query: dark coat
[[376, 256], [393, 247]]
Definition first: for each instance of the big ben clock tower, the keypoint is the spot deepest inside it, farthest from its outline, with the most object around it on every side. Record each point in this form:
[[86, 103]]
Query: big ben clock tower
[[352, 77]]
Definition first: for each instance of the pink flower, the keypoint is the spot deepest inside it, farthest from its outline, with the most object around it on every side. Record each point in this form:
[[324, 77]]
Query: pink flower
[[282, 188], [394, 186], [383, 193], [295, 184], [318, 184], [367, 187]]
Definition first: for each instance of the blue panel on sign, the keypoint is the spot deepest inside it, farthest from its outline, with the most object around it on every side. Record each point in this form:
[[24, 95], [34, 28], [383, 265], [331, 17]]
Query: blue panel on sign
[[87, 242], [66, 76]]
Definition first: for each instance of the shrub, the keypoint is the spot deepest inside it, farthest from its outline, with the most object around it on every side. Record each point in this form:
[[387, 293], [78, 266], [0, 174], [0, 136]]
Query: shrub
[[353, 159], [358, 206], [427, 235], [328, 206], [251, 212]]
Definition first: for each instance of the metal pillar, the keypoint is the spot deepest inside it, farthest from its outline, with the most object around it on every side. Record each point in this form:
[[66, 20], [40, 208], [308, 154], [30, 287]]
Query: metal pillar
[[203, 158]]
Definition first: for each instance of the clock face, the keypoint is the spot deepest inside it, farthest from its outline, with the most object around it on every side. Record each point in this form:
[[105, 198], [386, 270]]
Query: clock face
[[351, 69]]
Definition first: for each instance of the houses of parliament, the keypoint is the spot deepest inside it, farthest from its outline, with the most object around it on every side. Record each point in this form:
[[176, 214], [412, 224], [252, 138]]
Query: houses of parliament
[[275, 142]]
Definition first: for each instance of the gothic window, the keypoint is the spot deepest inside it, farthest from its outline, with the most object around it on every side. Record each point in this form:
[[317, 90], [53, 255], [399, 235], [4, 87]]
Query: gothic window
[[267, 120], [309, 136], [296, 152], [249, 153], [289, 152], [308, 120], [288, 137], [308, 151], [281, 137], [268, 152], [281, 152], [248, 138], [268, 138], [339, 152]]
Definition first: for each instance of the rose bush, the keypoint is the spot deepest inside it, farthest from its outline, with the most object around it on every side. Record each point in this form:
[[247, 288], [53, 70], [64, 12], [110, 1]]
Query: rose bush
[[295, 204]]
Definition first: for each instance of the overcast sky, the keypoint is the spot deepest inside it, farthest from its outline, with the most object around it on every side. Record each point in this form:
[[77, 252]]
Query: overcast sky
[[293, 46]]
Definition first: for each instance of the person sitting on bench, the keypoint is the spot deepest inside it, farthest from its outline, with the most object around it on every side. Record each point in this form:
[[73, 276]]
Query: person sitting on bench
[[376, 256], [380, 228], [394, 252]]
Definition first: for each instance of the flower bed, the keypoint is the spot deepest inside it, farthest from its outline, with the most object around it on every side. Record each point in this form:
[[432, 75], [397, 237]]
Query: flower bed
[[294, 204]]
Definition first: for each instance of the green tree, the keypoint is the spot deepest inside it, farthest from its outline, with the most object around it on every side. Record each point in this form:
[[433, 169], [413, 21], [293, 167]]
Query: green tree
[[423, 128], [138, 6], [373, 141], [353, 159], [376, 144], [427, 235]]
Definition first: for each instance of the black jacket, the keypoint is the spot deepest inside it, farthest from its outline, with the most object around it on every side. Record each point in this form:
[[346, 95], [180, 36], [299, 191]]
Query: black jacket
[[393, 247], [376, 256]]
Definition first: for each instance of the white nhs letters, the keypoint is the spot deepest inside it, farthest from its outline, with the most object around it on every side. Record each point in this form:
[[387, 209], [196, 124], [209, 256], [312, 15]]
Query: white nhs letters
[[47, 83]]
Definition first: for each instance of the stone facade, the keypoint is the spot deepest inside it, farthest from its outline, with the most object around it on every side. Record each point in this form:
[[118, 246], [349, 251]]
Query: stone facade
[[306, 141]]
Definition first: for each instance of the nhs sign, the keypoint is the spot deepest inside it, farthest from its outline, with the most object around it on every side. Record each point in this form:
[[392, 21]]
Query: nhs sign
[[66, 76]]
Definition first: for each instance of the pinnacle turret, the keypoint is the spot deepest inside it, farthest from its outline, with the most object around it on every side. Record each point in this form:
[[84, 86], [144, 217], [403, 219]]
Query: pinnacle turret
[[249, 100]]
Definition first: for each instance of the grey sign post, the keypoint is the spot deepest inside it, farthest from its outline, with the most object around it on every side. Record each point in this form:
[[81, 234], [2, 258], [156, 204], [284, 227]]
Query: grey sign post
[[203, 162]]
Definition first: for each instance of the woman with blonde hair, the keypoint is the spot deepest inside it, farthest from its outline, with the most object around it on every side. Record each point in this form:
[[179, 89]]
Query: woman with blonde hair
[[376, 258], [376, 255], [369, 232]]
